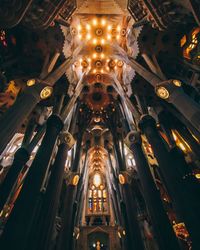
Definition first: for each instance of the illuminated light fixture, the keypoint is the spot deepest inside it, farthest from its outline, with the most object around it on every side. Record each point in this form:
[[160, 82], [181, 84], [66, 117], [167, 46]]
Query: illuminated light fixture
[[197, 175], [109, 27], [94, 71], [46, 92], [75, 180], [177, 83], [79, 27], [107, 68], [109, 37], [119, 234], [102, 71], [162, 92], [102, 41], [30, 82], [94, 41], [88, 27], [102, 55], [89, 59], [79, 36], [124, 232], [122, 179], [118, 28], [94, 55], [88, 37], [97, 180], [103, 22], [118, 37], [94, 22], [181, 146], [116, 60], [80, 60]]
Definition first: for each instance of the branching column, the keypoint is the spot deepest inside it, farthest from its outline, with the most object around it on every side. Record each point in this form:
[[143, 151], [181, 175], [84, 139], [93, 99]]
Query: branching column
[[181, 183], [163, 230], [16, 114], [16, 233]]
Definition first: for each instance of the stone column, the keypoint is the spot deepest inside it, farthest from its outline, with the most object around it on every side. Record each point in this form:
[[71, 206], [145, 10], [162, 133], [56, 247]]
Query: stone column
[[21, 157], [44, 228], [70, 195], [133, 225], [12, 119], [181, 183], [164, 233], [16, 233]]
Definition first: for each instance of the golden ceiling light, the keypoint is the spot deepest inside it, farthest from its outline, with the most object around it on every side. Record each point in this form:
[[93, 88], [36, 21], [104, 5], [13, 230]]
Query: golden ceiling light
[[46, 92], [109, 27], [109, 37], [30, 82], [88, 36], [162, 92], [94, 55], [94, 21], [103, 22], [102, 41], [88, 27], [197, 176]]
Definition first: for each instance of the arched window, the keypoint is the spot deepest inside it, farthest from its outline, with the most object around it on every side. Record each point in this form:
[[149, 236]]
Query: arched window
[[97, 195]]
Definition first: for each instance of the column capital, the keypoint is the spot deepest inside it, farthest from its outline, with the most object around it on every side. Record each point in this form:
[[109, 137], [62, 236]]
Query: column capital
[[133, 137], [169, 89], [72, 178], [67, 139]]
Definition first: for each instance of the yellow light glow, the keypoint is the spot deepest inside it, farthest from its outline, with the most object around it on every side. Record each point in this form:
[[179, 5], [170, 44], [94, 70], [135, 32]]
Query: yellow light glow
[[94, 71], [30, 82], [109, 27], [107, 68], [119, 235], [115, 60], [102, 71], [118, 37], [46, 92], [102, 41], [109, 37], [75, 180], [94, 22], [197, 176], [102, 55], [88, 37], [89, 59], [80, 60], [103, 22], [88, 27], [94, 41], [118, 28], [79, 27], [97, 180], [79, 36], [181, 146], [122, 179], [94, 55]]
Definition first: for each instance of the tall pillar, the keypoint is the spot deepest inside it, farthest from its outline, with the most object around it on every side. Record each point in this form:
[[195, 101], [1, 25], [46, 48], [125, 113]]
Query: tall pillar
[[135, 233], [21, 157], [12, 119], [65, 232], [163, 230], [16, 233], [181, 183], [43, 231]]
